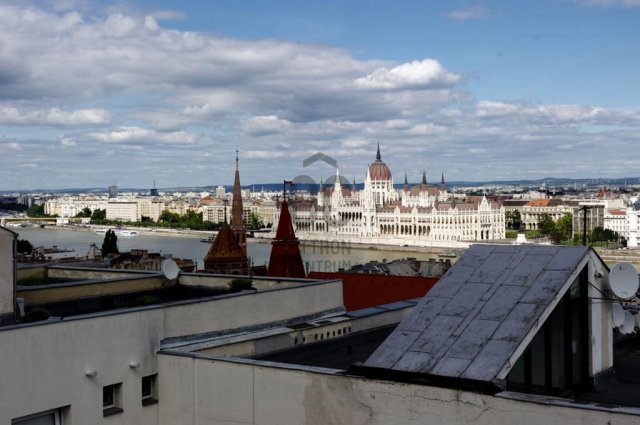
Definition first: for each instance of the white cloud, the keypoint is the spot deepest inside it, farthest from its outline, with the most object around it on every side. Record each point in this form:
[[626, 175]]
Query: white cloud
[[258, 154], [138, 135], [141, 87], [262, 126], [428, 73], [474, 12], [488, 109], [53, 117], [556, 114], [355, 143], [67, 142], [427, 129]]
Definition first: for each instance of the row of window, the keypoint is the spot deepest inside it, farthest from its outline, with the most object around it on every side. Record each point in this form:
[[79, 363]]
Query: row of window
[[111, 403], [112, 395], [321, 336]]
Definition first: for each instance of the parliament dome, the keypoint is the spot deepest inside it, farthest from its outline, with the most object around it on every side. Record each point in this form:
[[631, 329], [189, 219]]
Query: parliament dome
[[378, 171]]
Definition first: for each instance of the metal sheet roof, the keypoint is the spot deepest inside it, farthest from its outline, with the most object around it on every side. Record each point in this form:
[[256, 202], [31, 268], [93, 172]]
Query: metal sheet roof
[[476, 316]]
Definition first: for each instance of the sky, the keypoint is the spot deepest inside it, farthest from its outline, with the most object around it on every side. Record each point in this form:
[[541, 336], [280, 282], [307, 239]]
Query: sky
[[97, 93]]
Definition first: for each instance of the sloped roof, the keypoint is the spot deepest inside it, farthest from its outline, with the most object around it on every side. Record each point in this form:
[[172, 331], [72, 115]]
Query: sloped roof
[[285, 259], [481, 310], [225, 248]]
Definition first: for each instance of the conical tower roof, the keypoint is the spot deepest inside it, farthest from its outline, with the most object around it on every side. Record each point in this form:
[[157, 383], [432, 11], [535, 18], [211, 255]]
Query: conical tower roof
[[285, 260], [237, 222]]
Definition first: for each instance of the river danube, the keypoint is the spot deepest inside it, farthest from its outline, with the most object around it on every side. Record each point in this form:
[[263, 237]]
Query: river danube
[[320, 257]]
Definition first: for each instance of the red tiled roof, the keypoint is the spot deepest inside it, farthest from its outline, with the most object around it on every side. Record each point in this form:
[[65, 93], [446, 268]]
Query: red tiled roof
[[369, 290]]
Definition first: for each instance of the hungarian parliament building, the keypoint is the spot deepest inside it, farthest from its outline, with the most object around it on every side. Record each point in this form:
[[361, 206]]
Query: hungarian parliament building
[[423, 215]]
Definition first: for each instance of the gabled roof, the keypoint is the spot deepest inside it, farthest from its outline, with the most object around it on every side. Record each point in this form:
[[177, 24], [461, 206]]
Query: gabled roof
[[479, 313], [15, 235]]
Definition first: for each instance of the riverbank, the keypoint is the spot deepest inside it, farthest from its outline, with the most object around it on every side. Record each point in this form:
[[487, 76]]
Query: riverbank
[[183, 233]]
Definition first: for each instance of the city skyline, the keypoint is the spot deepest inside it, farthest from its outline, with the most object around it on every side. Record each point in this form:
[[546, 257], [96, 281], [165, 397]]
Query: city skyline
[[127, 93]]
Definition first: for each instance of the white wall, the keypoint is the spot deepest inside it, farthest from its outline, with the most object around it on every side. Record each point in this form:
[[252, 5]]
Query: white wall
[[218, 391], [43, 367], [7, 270], [247, 310]]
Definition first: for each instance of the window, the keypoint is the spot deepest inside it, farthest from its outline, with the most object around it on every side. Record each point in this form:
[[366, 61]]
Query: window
[[111, 399], [149, 390], [51, 417]]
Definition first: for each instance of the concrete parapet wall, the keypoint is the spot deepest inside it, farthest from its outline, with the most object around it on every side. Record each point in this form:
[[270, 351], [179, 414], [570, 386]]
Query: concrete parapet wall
[[239, 311], [217, 391], [35, 295], [222, 281]]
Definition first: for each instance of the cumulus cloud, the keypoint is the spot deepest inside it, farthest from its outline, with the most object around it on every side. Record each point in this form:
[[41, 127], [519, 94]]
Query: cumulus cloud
[[67, 142], [428, 73], [474, 12], [138, 135], [258, 154], [262, 126], [427, 129], [53, 117], [120, 85], [557, 114]]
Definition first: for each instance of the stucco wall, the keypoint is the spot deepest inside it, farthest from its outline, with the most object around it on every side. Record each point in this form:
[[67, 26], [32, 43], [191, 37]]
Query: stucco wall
[[241, 311], [260, 283], [217, 391], [43, 367], [83, 273], [34, 295], [29, 272], [6, 273]]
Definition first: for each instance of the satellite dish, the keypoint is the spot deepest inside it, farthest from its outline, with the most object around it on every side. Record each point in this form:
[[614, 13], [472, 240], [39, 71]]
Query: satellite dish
[[170, 269], [618, 315], [629, 323], [623, 279]]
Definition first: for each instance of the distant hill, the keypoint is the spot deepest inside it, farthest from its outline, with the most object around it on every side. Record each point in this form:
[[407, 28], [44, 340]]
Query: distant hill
[[277, 187]]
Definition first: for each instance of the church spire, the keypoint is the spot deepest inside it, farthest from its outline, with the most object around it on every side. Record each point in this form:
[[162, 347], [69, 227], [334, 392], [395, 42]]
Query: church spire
[[406, 183], [378, 156], [237, 223], [443, 187]]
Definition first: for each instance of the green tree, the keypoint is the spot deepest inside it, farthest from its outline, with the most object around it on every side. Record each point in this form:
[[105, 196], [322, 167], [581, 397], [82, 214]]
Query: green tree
[[546, 225], [168, 217], [36, 211], [513, 219], [255, 223], [24, 246], [564, 227], [98, 216], [598, 234], [86, 212], [110, 243]]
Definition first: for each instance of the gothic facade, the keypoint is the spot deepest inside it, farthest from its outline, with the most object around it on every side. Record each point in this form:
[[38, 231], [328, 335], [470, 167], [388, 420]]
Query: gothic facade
[[423, 215]]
